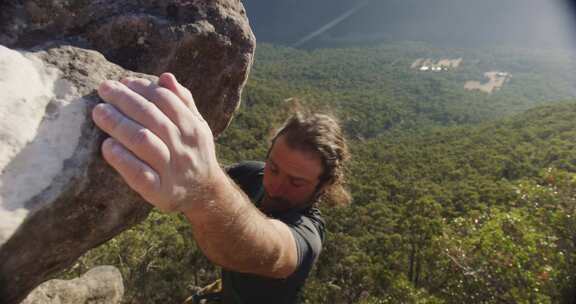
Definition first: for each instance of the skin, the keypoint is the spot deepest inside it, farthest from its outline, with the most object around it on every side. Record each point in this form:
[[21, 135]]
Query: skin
[[291, 177], [164, 150]]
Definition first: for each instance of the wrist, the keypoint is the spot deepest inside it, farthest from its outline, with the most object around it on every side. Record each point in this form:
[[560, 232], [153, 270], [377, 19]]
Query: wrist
[[206, 193]]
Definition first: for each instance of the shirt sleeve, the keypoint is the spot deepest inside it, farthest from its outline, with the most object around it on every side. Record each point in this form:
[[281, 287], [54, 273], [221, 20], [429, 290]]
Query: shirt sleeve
[[248, 176], [308, 232]]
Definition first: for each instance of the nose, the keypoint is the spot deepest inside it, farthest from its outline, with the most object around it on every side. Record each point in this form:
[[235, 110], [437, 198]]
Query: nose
[[276, 188]]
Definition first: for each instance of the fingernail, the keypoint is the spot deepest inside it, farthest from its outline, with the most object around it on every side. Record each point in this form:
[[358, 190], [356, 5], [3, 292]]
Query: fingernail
[[108, 142], [108, 145], [112, 145], [101, 110], [127, 80], [105, 87]]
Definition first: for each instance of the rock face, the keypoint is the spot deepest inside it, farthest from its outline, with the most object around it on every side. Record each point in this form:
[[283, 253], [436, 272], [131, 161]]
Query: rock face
[[100, 285], [207, 44], [58, 198]]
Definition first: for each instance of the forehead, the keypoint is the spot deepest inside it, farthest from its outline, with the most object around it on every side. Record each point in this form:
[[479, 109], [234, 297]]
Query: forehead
[[295, 162]]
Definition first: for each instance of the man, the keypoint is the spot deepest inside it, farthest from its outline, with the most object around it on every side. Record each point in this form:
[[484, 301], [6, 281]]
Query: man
[[164, 150]]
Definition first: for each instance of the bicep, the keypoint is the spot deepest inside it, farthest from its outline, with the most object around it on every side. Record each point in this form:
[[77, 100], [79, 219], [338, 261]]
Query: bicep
[[288, 250], [302, 241]]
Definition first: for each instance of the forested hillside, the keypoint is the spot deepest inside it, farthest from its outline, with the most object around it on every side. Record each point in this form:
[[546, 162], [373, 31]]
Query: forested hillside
[[477, 215], [374, 89], [459, 196]]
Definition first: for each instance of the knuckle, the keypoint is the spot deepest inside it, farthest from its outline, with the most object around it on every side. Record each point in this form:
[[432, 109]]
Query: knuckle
[[184, 91], [109, 116], [146, 109], [115, 155], [141, 81], [107, 147], [188, 94], [142, 136], [120, 156], [161, 97], [166, 96], [127, 97], [172, 133], [163, 93], [185, 159], [191, 136], [144, 179]]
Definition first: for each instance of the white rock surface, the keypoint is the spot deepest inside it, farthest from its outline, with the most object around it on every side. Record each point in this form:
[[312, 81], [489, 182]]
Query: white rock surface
[[100, 285], [33, 100], [58, 196]]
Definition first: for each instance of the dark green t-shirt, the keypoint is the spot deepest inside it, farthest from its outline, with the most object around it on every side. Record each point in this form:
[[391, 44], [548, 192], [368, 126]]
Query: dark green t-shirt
[[306, 225]]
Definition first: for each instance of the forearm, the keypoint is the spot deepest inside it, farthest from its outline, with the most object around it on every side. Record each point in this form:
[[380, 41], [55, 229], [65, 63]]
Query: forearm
[[233, 233], [164, 150]]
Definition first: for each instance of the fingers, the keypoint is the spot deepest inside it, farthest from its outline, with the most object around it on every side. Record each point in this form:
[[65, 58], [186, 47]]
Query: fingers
[[139, 140], [168, 81], [140, 110], [169, 103], [136, 173]]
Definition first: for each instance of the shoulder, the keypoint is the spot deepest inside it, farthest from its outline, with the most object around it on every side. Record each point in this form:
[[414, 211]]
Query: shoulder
[[246, 172], [316, 218], [307, 217], [248, 175], [308, 229], [308, 222], [244, 168]]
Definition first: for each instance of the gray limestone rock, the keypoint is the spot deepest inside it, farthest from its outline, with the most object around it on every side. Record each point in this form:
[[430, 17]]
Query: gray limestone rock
[[100, 285]]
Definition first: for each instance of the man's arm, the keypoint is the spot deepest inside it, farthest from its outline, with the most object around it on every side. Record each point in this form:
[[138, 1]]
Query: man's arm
[[237, 236], [164, 150]]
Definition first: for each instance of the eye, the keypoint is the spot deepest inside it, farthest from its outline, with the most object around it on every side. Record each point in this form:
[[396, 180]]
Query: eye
[[297, 183]]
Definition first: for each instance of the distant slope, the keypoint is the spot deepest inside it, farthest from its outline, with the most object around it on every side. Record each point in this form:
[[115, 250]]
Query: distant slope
[[435, 198], [472, 165], [374, 90], [457, 215], [459, 197]]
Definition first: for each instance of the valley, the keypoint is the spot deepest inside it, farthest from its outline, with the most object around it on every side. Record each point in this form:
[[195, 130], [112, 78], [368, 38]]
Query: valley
[[459, 196]]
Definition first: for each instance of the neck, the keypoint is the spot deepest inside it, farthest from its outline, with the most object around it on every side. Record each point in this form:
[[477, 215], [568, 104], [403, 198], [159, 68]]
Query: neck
[[269, 206]]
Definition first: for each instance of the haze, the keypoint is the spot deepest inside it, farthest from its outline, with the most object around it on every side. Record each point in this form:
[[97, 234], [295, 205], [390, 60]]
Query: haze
[[456, 23]]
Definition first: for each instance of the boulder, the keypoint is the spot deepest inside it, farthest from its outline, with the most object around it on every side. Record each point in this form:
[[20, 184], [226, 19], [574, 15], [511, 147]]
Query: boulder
[[58, 198], [100, 285], [208, 45]]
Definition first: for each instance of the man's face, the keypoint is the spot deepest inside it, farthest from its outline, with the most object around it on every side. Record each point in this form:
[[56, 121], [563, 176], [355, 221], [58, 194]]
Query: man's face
[[291, 177]]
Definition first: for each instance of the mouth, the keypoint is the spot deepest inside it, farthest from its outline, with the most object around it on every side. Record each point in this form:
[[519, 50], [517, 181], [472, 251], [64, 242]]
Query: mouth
[[275, 201]]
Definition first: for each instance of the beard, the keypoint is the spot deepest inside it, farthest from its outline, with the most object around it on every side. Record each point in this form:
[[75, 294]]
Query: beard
[[270, 204], [274, 204]]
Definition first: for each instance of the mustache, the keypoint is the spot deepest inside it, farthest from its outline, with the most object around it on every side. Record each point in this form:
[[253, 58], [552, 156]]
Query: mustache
[[275, 200]]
